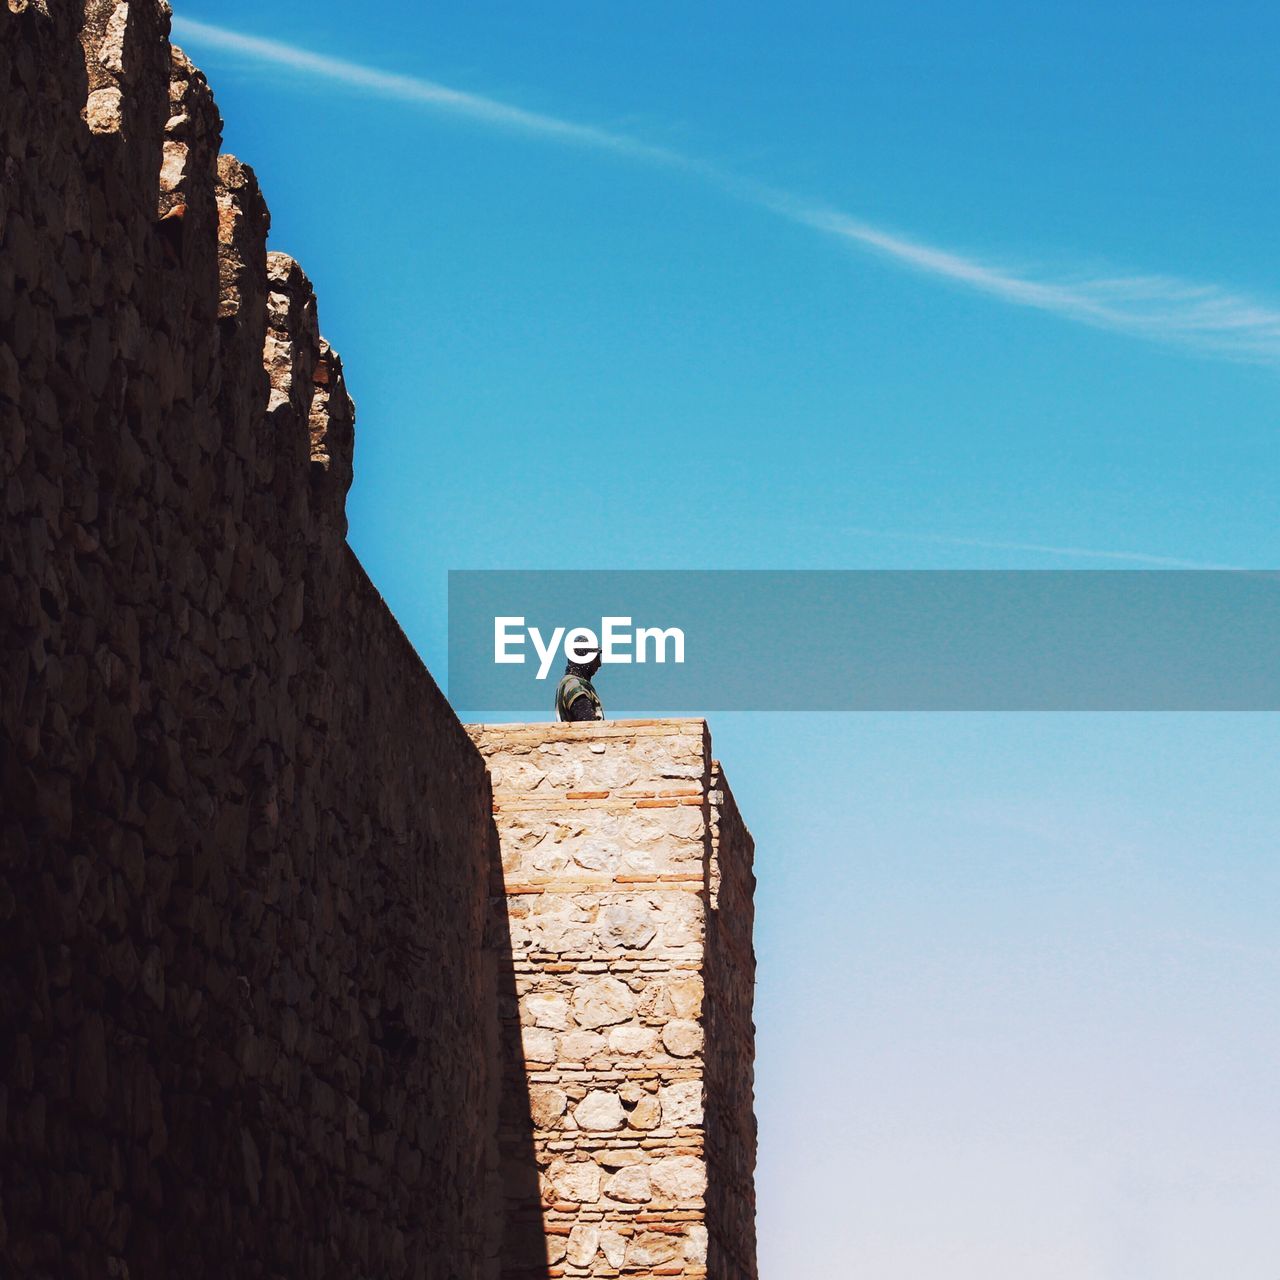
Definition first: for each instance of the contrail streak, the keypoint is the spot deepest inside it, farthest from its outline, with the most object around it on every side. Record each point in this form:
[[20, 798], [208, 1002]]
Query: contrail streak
[[1200, 317]]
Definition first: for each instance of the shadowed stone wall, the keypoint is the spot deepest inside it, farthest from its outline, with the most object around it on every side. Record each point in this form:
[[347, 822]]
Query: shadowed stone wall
[[245, 1024], [248, 1025], [626, 902]]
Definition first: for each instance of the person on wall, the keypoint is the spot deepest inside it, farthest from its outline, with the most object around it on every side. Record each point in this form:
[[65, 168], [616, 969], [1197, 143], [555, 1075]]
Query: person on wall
[[576, 697]]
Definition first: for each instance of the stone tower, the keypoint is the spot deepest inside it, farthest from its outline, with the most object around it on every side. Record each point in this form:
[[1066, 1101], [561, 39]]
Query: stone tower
[[627, 1135]]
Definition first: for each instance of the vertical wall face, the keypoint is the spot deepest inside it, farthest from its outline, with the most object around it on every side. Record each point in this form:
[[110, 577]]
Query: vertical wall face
[[730, 974], [247, 1026], [244, 843], [626, 903]]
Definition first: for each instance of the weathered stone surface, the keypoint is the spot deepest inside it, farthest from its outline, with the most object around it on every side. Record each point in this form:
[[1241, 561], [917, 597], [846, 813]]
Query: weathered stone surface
[[681, 1103], [683, 998], [630, 1185], [546, 1105], [628, 924], [539, 1045], [584, 1241], [578, 1046], [602, 1003], [682, 1038], [621, 1157], [632, 1041], [546, 1009], [652, 1249], [628, 891], [695, 1245], [599, 1110], [613, 1244], [246, 1023], [576, 1180], [681, 1178], [646, 1114]]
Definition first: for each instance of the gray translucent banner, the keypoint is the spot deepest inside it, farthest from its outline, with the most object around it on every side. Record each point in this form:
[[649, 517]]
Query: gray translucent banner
[[873, 640]]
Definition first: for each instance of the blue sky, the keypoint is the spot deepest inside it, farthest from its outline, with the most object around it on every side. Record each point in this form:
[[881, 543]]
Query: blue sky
[[852, 287]]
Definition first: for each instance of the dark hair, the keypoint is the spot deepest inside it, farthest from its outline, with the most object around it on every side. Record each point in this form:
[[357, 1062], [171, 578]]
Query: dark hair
[[585, 670]]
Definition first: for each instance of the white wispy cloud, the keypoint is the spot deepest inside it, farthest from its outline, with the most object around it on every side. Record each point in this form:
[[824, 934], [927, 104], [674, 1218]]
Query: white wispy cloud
[[1161, 308], [1038, 548], [415, 89], [1206, 318]]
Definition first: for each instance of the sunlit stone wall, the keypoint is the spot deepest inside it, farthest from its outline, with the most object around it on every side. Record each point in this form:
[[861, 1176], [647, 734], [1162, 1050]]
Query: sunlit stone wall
[[626, 903]]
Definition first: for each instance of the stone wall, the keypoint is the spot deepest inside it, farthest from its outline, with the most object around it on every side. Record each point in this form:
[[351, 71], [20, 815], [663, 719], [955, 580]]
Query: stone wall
[[245, 1026], [626, 902]]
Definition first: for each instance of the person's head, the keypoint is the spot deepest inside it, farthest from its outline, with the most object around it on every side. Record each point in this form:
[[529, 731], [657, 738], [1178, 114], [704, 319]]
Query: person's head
[[587, 667]]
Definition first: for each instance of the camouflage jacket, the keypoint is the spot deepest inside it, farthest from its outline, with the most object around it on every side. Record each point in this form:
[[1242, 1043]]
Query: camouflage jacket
[[570, 689]]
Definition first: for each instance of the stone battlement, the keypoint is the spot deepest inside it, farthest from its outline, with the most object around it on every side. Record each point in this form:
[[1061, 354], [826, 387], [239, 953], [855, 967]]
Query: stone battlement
[[149, 247]]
